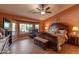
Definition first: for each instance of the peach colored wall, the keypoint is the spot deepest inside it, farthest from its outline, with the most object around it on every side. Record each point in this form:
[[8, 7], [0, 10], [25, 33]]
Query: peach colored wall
[[17, 20], [69, 16], [42, 26]]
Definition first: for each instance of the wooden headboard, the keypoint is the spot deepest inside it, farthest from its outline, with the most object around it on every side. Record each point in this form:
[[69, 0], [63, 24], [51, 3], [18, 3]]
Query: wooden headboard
[[60, 26]]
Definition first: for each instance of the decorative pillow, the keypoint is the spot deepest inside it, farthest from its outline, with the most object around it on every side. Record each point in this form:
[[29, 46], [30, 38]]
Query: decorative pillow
[[62, 31], [1, 36]]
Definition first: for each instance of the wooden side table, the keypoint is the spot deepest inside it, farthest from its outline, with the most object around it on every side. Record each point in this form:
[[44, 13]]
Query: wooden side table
[[73, 40], [78, 41]]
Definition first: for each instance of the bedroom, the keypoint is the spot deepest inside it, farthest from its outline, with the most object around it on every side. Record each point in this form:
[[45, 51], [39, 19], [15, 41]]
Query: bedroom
[[57, 24]]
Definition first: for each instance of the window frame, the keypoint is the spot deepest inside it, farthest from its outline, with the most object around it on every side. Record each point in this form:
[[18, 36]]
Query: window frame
[[27, 31]]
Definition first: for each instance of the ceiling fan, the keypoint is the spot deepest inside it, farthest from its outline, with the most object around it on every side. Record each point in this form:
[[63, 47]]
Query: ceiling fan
[[42, 9]]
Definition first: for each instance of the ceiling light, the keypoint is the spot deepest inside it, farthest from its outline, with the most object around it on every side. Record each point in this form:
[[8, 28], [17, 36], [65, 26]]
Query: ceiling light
[[42, 12]]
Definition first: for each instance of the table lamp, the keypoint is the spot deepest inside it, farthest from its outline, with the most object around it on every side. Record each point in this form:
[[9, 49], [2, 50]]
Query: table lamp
[[75, 30], [46, 28]]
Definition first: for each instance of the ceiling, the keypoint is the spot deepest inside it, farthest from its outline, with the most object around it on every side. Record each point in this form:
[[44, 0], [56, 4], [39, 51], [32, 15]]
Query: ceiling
[[25, 10]]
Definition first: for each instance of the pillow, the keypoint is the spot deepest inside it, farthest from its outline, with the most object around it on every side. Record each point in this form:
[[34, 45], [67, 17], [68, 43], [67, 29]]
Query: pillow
[[1, 36], [62, 31]]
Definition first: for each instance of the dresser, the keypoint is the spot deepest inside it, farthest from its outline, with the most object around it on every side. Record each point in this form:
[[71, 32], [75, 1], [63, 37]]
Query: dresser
[[73, 40]]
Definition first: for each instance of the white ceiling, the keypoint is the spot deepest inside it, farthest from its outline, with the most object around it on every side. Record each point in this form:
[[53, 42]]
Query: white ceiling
[[25, 10]]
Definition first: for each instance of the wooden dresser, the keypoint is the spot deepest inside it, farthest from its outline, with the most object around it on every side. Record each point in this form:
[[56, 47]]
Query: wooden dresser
[[73, 40]]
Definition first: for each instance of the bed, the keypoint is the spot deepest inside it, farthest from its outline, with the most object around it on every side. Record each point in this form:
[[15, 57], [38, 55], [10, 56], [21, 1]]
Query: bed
[[60, 31], [56, 35]]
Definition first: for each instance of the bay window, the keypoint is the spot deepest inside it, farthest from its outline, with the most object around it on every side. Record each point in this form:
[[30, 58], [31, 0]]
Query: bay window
[[37, 26], [25, 27]]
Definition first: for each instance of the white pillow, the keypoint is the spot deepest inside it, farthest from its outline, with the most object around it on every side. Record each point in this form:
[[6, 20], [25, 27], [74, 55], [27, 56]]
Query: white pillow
[[62, 31]]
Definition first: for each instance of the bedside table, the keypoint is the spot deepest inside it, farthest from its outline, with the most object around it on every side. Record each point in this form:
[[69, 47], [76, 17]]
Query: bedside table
[[73, 40]]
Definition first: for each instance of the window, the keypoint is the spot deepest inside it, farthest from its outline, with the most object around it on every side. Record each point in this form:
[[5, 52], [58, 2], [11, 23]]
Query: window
[[29, 27], [22, 27], [25, 27], [37, 26], [13, 28]]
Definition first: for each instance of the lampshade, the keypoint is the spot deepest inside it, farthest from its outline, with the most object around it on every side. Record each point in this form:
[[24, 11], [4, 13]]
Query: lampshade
[[46, 28], [75, 28]]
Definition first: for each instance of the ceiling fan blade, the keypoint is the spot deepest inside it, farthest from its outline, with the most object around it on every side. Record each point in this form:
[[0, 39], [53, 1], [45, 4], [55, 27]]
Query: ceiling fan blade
[[38, 9], [35, 12], [48, 12], [47, 8]]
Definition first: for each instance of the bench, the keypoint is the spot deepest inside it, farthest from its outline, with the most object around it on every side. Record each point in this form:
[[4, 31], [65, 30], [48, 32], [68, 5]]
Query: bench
[[43, 43]]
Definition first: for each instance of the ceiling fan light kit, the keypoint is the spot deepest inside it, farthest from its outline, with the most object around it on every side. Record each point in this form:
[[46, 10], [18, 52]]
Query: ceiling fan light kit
[[42, 12]]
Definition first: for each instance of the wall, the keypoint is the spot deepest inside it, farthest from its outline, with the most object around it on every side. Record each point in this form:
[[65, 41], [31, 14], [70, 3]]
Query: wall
[[42, 26], [17, 20], [15, 17], [69, 16]]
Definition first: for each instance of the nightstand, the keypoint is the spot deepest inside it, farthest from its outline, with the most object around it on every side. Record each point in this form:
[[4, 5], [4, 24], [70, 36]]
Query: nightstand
[[73, 40]]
